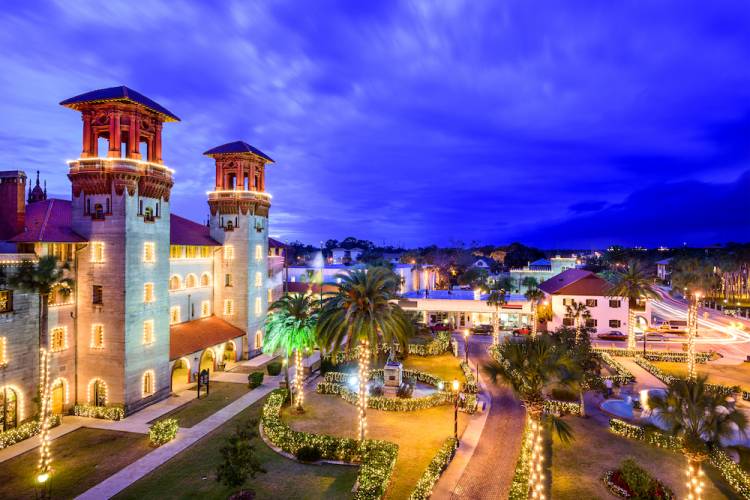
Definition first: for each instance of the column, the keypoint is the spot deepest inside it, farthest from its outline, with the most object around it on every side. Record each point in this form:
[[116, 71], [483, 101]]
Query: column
[[134, 139], [87, 142], [219, 178], [114, 135], [157, 145]]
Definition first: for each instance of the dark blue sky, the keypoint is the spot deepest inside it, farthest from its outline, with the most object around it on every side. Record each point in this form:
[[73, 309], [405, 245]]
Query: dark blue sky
[[555, 123]]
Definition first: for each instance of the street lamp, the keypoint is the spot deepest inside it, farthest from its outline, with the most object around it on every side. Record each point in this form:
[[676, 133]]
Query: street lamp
[[455, 410], [466, 345]]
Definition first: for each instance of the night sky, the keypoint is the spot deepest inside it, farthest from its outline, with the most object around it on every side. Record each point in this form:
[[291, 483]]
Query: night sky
[[559, 124]]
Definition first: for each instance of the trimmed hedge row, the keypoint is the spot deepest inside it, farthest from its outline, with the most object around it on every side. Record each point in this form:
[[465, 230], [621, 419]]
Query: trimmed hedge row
[[437, 346], [519, 488], [25, 431], [562, 407], [383, 403], [471, 379], [675, 357], [435, 468], [376, 457], [104, 412], [622, 375], [654, 370]]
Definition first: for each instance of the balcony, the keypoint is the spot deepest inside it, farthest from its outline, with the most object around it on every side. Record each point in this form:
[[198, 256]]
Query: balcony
[[232, 195]]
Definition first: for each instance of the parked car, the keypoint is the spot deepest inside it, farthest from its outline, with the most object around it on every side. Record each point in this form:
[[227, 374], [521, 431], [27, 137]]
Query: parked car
[[441, 327], [613, 335], [521, 331], [482, 329], [651, 337]]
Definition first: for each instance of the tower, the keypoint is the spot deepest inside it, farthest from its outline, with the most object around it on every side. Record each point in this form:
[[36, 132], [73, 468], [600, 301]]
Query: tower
[[239, 221], [12, 206], [121, 206]]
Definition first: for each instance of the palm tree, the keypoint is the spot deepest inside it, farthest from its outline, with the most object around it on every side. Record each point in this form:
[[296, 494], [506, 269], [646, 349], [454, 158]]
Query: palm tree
[[496, 299], [579, 313], [700, 418], [362, 314], [633, 284], [290, 327], [534, 296], [692, 278]]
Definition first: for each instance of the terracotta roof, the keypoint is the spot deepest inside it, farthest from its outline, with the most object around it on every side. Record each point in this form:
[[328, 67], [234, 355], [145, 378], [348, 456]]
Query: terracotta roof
[[183, 231], [120, 94], [192, 336], [237, 147], [274, 243], [49, 221], [576, 282]]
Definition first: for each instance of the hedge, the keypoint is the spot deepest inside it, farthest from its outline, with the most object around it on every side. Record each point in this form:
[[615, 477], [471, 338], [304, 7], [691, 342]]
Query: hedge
[[104, 412], [439, 345], [377, 457], [435, 468], [25, 431], [163, 431], [385, 403], [562, 407], [622, 375], [519, 488], [675, 357], [471, 379], [654, 370]]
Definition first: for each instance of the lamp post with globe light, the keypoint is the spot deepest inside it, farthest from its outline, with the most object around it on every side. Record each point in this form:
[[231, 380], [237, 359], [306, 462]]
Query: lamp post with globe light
[[455, 386]]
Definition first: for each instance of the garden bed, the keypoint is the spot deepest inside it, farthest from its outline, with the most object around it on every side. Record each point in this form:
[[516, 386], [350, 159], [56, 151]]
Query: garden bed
[[196, 410]]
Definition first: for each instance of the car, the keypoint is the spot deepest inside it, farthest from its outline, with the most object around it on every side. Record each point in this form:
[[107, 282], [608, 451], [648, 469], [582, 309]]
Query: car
[[441, 327], [482, 329], [521, 331], [651, 337], [613, 335]]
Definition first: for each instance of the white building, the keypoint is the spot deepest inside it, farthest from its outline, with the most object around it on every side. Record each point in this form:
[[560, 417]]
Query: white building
[[413, 279]]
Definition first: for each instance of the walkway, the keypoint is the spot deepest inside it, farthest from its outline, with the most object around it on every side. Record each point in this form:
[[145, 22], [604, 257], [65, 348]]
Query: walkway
[[643, 379]]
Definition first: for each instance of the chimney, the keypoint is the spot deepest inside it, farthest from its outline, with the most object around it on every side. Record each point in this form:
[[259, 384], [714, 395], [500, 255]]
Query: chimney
[[12, 203]]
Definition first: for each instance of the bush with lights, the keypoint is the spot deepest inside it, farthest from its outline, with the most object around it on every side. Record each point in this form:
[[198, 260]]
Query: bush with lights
[[104, 412], [24, 431], [376, 457], [471, 379], [654, 370], [434, 469], [519, 488], [622, 375], [673, 357], [555, 407], [163, 431]]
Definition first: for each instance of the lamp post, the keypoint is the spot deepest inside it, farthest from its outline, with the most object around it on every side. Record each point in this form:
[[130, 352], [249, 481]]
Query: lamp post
[[455, 410], [466, 345]]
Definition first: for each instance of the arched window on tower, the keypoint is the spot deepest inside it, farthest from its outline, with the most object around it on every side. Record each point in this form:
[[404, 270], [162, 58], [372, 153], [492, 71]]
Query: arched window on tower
[[98, 212]]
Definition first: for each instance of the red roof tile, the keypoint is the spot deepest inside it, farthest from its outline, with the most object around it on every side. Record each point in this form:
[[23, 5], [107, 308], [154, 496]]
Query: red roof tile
[[183, 231], [49, 221], [576, 282], [193, 336]]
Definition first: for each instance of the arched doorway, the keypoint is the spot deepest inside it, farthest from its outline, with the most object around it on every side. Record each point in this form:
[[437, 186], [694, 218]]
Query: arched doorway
[[207, 361], [230, 353], [180, 374], [641, 324], [8, 409], [98, 392], [58, 396]]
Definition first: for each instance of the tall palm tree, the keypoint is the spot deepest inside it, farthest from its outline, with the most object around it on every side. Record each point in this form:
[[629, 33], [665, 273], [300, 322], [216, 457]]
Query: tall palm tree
[[534, 296], [362, 314], [633, 284], [290, 327], [496, 299], [700, 418], [579, 313], [693, 278]]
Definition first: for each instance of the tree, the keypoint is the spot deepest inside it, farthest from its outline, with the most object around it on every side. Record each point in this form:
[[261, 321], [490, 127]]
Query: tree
[[700, 418], [581, 352], [290, 327], [534, 296], [474, 277], [496, 299], [633, 284], [359, 316], [692, 278], [579, 313], [240, 459]]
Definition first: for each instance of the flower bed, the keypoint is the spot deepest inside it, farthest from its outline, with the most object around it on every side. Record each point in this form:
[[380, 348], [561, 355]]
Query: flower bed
[[376, 457], [25, 431], [519, 488], [163, 431], [654, 370], [732, 473], [430, 476], [617, 484], [622, 375], [104, 412], [676, 357]]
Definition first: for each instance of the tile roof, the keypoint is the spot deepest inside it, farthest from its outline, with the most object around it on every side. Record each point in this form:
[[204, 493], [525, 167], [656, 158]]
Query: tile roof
[[576, 282], [49, 221], [192, 336], [120, 94], [540, 262], [237, 147], [274, 243], [183, 231]]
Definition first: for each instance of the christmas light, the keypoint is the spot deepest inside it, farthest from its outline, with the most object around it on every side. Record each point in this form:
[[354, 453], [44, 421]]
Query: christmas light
[[536, 475], [692, 320], [45, 458], [298, 372], [156, 166], [364, 377]]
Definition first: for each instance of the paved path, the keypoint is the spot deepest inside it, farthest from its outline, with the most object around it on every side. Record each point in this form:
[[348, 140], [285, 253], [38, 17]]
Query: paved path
[[643, 379], [490, 470]]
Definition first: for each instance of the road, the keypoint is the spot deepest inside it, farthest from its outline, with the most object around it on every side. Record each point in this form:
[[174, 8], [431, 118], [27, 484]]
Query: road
[[489, 473]]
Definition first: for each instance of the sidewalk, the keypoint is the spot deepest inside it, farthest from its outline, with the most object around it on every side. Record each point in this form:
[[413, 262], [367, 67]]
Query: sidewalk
[[643, 379]]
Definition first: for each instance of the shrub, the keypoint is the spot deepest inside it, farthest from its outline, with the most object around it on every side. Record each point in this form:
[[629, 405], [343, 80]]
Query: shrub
[[24, 431], [423, 490], [273, 368], [637, 479], [104, 412], [308, 454], [376, 389], [239, 458], [255, 379], [163, 431], [405, 390], [327, 365]]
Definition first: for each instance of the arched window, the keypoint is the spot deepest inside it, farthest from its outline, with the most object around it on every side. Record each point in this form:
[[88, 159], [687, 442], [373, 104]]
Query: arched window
[[258, 340], [148, 383], [175, 282], [190, 281], [98, 211], [205, 279], [8, 409], [97, 392]]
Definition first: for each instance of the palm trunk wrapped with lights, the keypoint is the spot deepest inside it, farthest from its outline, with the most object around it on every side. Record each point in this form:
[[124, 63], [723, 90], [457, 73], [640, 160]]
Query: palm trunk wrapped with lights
[[692, 321], [695, 482], [495, 328], [534, 318], [536, 446], [364, 377], [631, 328], [45, 458], [299, 395]]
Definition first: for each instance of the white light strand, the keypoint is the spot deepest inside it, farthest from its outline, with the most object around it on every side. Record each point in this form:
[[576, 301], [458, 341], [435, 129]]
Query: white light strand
[[695, 482], [536, 473], [364, 377], [299, 390], [45, 459]]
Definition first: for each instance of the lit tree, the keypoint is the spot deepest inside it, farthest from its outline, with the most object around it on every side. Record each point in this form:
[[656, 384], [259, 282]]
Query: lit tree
[[700, 418], [496, 299], [290, 327], [534, 296], [579, 313], [633, 284], [358, 317]]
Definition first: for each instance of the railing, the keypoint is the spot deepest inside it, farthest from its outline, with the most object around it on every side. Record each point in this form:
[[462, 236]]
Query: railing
[[230, 194], [99, 164]]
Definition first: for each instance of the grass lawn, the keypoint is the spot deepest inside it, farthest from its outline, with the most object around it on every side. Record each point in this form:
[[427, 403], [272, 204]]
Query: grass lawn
[[251, 369], [192, 473], [445, 366], [577, 468], [419, 434], [80, 460], [222, 393], [717, 374]]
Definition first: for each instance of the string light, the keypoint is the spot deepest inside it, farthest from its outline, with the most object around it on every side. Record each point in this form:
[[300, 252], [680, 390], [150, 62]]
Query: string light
[[364, 376], [45, 458], [692, 320], [536, 474], [695, 482], [299, 396], [157, 166]]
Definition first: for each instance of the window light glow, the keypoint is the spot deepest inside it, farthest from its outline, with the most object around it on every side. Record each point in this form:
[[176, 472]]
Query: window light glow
[[3, 351], [97, 251], [174, 315], [228, 307], [149, 383], [61, 381], [258, 252], [148, 293], [58, 339], [149, 252], [97, 336], [258, 279], [148, 332], [205, 309], [258, 306], [228, 252], [91, 389]]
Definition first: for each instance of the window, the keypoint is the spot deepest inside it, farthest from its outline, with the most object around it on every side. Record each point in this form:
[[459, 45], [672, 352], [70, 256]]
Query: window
[[270, 295], [258, 304], [148, 293], [190, 281], [8, 409], [97, 295], [258, 279], [590, 323], [148, 383], [191, 252], [205, 252], [58, 339], [174, 282], [175, 251], [174, 315], [591, 302], [205, 279], [567, 302], [615, 323], [97, 336], [149, 252], [258, 252], [148, 215], [228, 252], [568, 322], [228, 307], [205, 309], [258, 340], [97, 392], [227, 280], [148, 331], [6, 301], [614, 304], [97, 251], [3, 352]]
